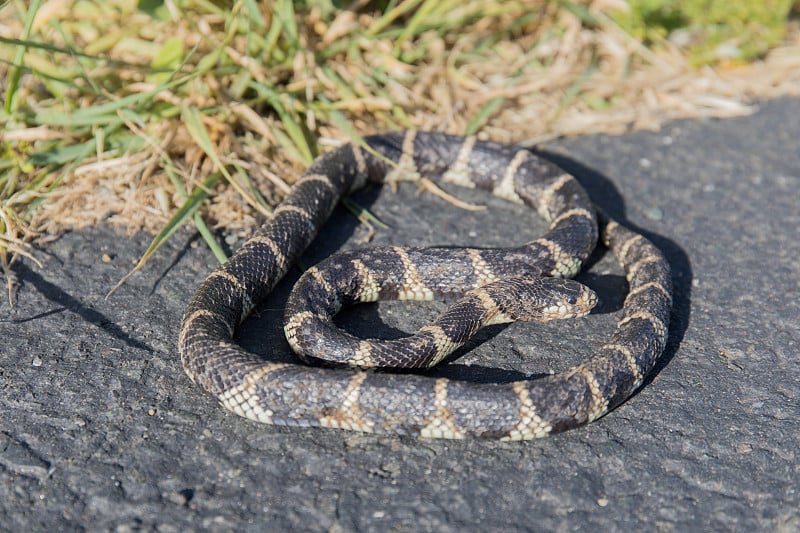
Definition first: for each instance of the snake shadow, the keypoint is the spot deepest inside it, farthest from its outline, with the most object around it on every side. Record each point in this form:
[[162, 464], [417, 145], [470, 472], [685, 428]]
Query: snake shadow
[[606, 196], [66, 302], [263, 333]]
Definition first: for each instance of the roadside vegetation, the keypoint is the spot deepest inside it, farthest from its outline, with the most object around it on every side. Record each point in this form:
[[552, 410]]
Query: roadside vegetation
[[154, 114]]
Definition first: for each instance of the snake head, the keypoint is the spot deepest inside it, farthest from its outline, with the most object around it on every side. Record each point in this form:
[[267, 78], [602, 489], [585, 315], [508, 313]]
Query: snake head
[[569, 298], [540, 299]]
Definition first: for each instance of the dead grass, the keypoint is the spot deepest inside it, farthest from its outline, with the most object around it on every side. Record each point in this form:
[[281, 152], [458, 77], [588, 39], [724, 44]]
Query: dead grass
[[195, 112]]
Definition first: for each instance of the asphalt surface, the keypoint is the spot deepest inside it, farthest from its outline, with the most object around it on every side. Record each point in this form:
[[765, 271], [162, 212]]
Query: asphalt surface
[[101, 430]]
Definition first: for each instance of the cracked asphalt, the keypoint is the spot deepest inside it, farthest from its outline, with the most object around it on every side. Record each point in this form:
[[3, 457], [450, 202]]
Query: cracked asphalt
[[101, 430]]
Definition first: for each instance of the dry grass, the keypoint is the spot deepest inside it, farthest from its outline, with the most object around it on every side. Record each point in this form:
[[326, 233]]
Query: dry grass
[[196, 112]]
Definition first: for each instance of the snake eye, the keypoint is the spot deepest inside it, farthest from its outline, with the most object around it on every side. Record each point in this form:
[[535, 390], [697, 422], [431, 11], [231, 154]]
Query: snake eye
[[572, 299]]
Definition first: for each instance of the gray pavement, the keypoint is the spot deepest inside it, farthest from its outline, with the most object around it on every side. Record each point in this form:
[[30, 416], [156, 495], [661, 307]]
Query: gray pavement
[[101, 430]]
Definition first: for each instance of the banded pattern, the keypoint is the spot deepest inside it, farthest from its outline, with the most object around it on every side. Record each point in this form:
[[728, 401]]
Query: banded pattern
[[299, 395], [357, 277]]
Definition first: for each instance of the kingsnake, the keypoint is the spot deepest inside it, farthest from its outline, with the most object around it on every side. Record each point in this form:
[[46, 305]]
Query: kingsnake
[[497, 285]]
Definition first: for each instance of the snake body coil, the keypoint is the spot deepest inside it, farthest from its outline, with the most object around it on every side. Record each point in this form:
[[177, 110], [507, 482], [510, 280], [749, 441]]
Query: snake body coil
[[299, 395]]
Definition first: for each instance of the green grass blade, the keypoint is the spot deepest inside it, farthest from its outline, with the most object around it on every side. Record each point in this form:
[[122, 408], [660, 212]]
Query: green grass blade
[[393, 14], [480, 118], [63, 154], [103, 113], [199, 223], [78, 53], [180, 216], [211, 242], [251, 187], [16, 73], [254, 14], [413, 26], [284, 9], [70, 82], [362, 213], [194, 124]]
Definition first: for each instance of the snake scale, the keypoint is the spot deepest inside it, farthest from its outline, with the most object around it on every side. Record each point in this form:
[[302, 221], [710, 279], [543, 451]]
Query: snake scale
[[412, 404]]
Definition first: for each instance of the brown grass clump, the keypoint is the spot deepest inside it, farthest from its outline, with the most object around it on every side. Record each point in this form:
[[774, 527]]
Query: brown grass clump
[[147, 117]]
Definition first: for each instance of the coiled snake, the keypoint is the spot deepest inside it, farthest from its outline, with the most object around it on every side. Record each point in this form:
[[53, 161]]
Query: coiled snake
[[496, 285]]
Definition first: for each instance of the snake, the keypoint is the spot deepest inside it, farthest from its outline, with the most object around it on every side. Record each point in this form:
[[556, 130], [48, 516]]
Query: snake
[[492, 285]]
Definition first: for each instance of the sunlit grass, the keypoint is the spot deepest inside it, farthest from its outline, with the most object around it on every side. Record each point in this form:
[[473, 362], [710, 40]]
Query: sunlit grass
[[158, 114]]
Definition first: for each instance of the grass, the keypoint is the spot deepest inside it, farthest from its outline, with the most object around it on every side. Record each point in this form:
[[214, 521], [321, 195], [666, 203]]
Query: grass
[[153, 115], [710, 30]]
